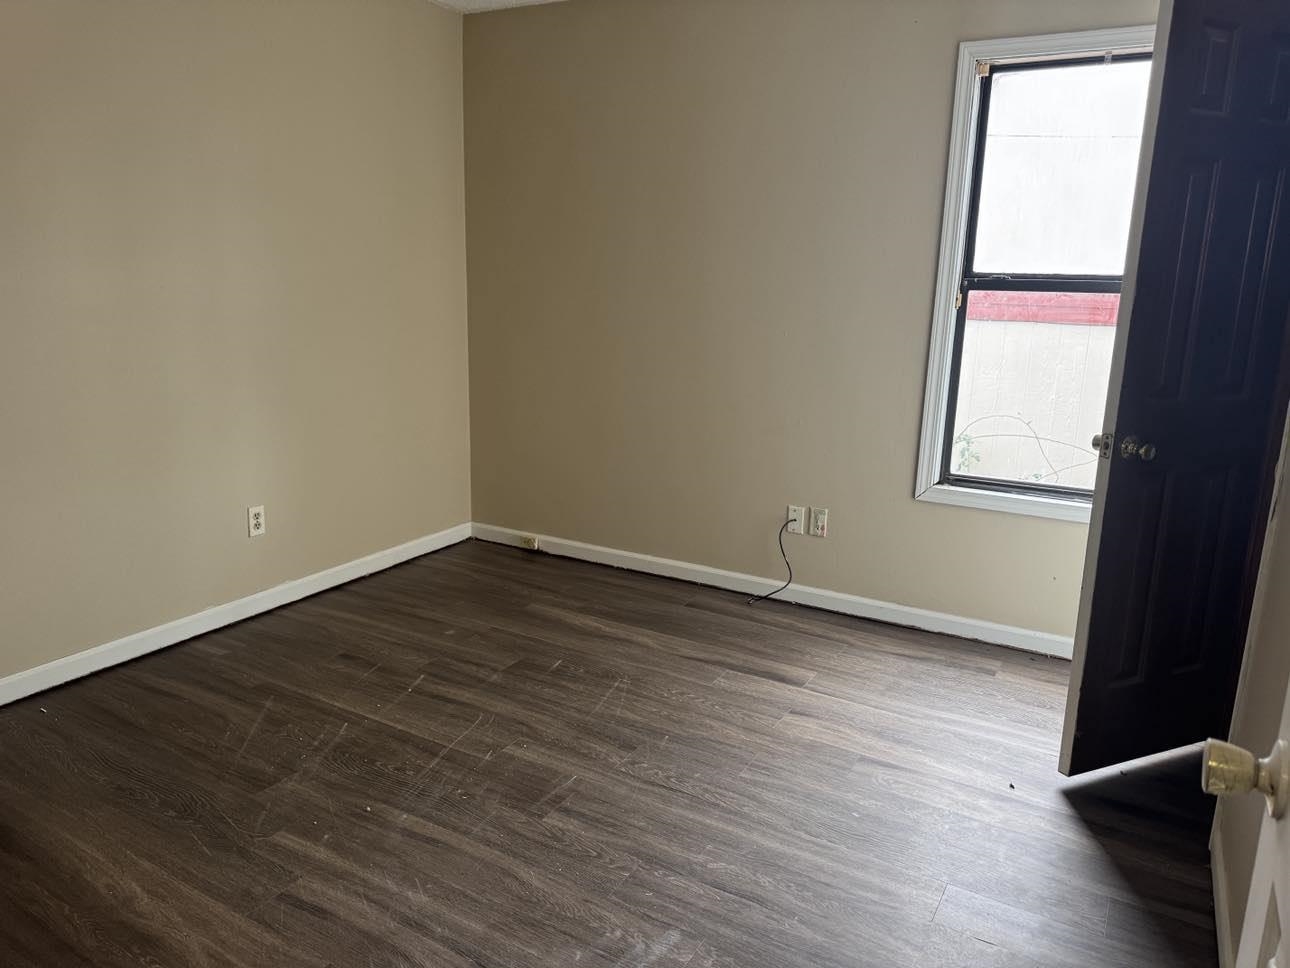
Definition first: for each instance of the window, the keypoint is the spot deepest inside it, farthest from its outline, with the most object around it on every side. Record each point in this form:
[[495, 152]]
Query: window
[[1044, 161]]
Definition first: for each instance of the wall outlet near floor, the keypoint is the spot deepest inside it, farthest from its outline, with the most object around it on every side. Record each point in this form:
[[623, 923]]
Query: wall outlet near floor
[[797, 519], [819, 522], [529, 543], [255, 523]]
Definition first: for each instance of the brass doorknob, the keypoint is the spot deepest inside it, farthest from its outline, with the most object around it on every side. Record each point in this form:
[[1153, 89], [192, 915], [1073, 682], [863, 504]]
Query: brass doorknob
[[1229, 770], [1131, 447]]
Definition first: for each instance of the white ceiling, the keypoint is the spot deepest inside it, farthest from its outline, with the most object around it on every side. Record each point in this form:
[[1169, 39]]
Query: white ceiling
[[475, 6]]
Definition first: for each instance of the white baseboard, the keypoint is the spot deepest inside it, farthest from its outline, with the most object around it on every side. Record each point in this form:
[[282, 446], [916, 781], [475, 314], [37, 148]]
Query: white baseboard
[[1222, 903], [1028, 640], [55, 673], [141, 643]]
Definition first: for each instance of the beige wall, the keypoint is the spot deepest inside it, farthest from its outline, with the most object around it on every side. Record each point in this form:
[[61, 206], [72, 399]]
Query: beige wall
[[702, 241], [1256, 721], [231, 273]]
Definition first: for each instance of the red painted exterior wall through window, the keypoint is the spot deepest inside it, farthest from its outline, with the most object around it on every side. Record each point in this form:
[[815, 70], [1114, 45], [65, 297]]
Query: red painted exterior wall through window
[[1080, 308]]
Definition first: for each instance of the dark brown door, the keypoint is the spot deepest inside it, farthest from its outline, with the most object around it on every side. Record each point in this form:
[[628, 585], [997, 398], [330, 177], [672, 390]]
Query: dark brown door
[[1202, 402]]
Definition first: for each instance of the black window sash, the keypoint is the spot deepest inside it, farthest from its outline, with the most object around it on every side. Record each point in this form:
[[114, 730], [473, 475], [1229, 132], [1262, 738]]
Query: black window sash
[[1014, 282]]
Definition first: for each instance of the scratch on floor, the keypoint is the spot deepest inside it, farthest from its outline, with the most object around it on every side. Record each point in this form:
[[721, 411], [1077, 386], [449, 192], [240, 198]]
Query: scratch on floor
[[254, 727], [662, 947], [605, 697], [304, 773], [424, 775], [556, 790], [406, 692], [311, 768], [259, 821], [483, 820], [199, 843], [646, 953]]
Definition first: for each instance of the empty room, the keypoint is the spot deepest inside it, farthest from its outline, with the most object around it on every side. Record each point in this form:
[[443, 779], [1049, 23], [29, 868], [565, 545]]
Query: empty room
[[623, 483]]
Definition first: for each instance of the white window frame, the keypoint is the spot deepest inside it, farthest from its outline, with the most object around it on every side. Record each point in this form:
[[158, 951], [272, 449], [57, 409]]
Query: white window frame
[[949, 270]]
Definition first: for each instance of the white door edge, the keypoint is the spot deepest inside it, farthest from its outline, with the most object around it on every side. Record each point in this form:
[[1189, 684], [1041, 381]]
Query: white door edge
[[1080, 648]]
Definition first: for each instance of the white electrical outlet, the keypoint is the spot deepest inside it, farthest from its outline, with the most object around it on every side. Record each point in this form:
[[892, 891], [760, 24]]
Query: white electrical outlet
[[797, 519], [255, 523], [820, 522]]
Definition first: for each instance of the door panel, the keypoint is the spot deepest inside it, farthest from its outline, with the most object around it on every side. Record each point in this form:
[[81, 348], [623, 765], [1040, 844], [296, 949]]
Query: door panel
[[1202, 381]]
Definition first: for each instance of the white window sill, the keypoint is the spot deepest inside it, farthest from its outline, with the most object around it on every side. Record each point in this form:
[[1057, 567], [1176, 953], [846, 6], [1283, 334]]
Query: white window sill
[[1059, 509]]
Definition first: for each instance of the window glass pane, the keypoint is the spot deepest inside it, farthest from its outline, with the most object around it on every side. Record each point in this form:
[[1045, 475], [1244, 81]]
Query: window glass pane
[[1032, 386], [1061, 156]]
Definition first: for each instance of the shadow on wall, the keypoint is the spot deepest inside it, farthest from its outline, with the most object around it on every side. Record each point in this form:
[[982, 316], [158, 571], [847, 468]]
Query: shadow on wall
[[1152, 822]]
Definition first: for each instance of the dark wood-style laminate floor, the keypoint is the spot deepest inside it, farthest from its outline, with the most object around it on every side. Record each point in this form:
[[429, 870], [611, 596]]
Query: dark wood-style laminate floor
[[485, 757]]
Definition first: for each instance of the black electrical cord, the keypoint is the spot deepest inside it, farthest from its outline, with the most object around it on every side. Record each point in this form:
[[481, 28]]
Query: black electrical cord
[[761, 598]]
